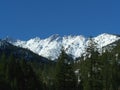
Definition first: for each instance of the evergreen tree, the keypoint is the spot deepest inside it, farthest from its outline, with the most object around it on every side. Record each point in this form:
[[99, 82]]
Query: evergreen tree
[[115, 72], [3, 63], [91, 69], [65, 77], [106, 71], [4, 84], [30, 79], [12, 72]]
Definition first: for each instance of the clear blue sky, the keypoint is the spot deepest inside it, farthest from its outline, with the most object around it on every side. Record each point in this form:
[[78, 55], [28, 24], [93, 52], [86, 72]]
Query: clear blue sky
[[25, 19]]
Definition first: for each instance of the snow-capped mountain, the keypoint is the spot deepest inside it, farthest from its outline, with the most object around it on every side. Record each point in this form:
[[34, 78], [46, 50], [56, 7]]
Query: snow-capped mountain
[[73, 45], [20, 53]]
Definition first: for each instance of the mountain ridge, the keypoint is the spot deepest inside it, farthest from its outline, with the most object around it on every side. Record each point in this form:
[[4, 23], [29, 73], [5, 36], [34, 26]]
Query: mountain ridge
[[73, 45], [8, 49]]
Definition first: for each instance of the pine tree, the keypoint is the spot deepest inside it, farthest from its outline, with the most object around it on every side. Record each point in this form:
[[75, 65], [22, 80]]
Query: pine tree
[[3, 63], [91, 69], [4, 84], [12, 72], [30, 79], [106, 71], [115, 72], [65, 77]]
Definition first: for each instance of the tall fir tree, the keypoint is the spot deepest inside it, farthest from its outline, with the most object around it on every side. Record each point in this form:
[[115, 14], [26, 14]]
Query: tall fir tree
[[65, 76], [91, 69], [4, 84]]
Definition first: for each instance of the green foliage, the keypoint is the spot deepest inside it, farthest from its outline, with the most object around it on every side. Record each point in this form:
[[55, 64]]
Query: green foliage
[[99, 71], [95, 72], [18, 75], [65, 77]]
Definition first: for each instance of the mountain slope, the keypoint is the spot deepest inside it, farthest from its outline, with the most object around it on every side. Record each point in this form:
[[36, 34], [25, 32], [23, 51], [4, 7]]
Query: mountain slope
[[20, 53], [73, 45]]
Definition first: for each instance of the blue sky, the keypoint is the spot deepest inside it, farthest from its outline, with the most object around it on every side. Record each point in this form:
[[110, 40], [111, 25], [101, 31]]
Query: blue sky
[[25, 19]]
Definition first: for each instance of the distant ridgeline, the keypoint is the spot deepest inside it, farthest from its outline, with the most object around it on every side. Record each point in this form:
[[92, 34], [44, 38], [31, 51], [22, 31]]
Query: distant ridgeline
[[74, 46]]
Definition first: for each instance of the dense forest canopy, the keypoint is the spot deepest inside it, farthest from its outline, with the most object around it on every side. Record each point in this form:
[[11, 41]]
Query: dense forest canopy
[[98, 71]]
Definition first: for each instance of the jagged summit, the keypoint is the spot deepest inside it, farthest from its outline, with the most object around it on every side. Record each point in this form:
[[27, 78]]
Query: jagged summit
[[74, 45]]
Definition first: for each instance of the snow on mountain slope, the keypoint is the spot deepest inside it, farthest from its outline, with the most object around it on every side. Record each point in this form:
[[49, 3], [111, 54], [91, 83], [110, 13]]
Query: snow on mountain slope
[[73, 45], [105, 39], [49, 47]]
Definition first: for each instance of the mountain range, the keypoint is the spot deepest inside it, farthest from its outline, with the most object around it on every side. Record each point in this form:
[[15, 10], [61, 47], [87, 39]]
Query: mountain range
[[74, 46]]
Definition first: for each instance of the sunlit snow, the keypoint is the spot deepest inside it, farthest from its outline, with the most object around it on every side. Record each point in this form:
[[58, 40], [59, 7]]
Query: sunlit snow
[[73, 45]]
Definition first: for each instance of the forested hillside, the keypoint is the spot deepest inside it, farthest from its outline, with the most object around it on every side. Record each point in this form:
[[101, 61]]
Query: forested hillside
[[95, 71]]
